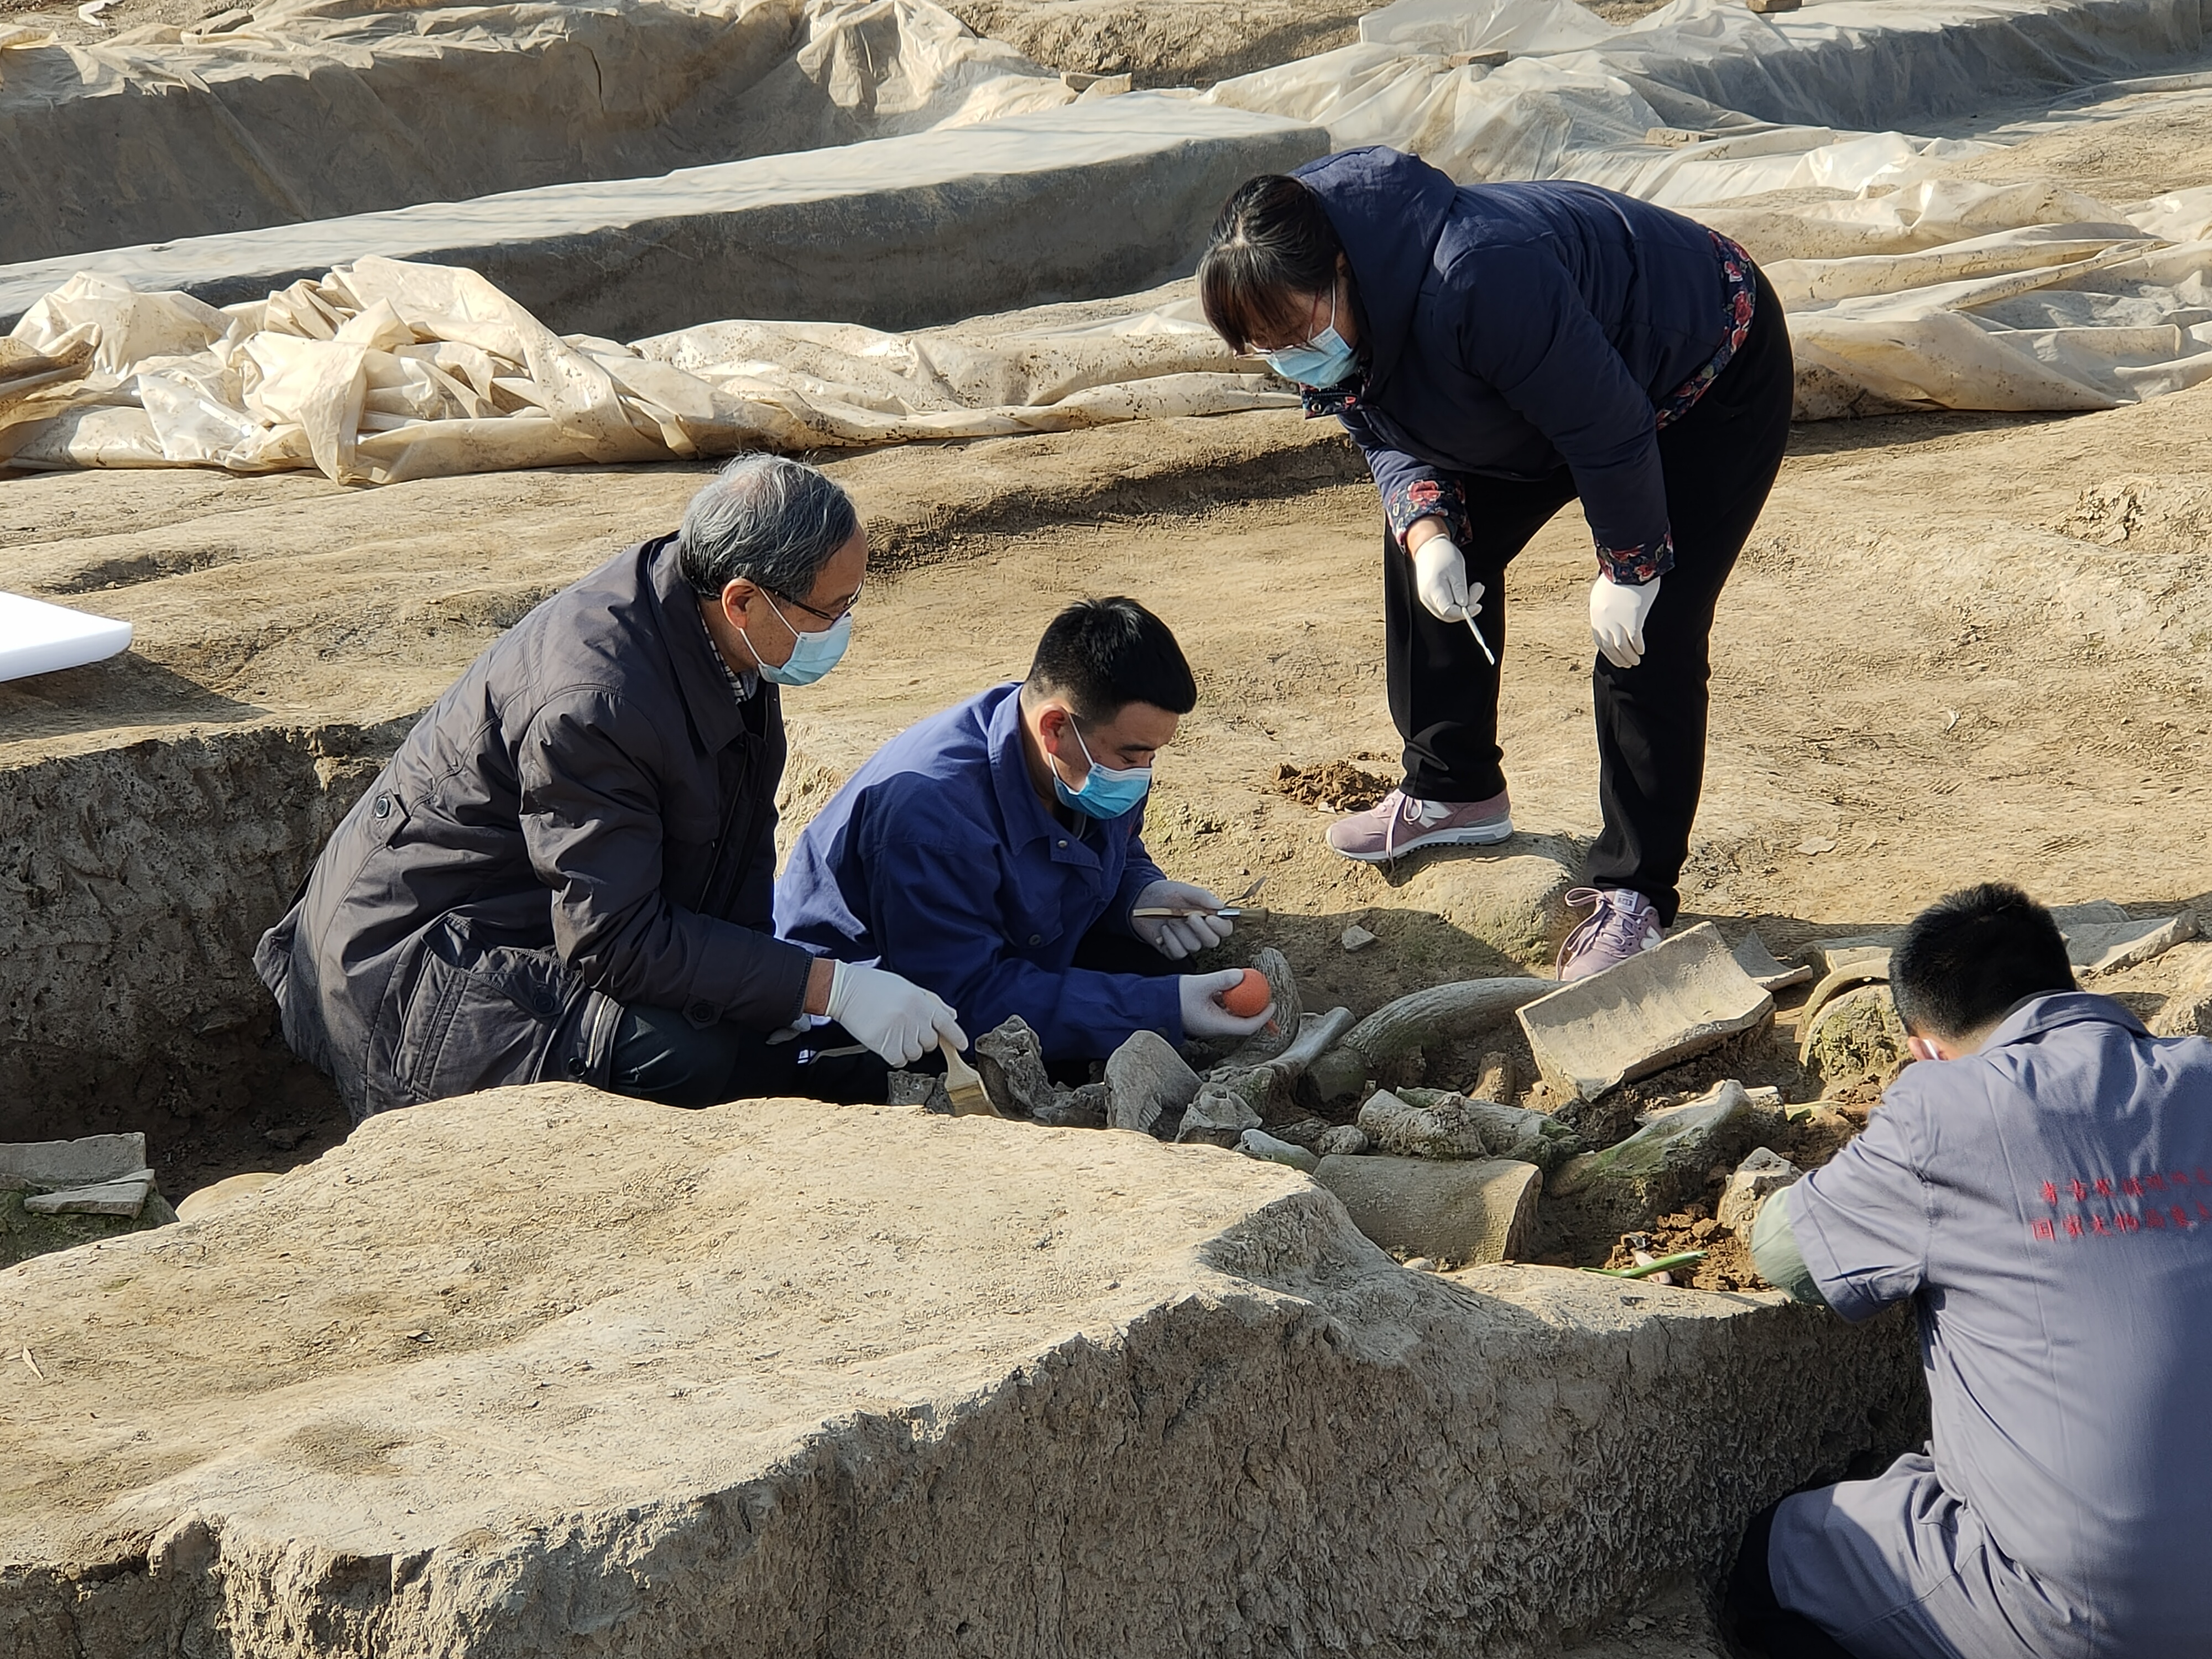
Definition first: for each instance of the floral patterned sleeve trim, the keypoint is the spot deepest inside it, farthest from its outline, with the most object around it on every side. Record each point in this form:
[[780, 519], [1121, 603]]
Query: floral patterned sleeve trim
[[1406, 504], [1636, 566], [1739, 300]]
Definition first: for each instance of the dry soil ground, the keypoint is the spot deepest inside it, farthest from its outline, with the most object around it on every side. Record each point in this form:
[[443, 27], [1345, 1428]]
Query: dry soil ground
[[1958, 647]]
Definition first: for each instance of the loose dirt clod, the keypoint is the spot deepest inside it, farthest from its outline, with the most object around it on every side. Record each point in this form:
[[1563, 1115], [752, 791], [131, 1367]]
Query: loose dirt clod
[[1333, 787]]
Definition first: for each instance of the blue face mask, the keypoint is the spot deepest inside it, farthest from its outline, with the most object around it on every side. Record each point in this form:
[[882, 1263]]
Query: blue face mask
[[1107, 792], [1323, 361], [812, 655]]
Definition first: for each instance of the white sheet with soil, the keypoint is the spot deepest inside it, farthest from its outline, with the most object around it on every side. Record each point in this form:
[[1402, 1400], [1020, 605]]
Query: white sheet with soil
[[1911, 279], [304, 110]]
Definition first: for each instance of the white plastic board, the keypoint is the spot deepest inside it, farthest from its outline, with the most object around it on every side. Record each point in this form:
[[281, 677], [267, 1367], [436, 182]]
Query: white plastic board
[[38, 638]]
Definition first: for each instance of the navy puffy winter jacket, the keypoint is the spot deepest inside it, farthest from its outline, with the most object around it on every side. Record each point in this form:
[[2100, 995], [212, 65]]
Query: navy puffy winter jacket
[[1507, 329]]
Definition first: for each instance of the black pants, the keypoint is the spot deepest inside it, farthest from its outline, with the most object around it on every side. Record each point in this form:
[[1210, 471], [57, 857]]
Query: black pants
[[659, 1054], [1720, 461], [1758, 1622]]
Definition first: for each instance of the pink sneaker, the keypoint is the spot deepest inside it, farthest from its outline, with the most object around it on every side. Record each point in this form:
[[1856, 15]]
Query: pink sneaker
[[1623, 924], [1399, 825]]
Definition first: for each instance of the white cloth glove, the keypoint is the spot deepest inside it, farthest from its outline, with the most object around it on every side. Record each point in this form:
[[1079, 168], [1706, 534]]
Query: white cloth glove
[[1440, 578], [1177, 937], [1616, 614], [1202, 1016], [894, 1016]]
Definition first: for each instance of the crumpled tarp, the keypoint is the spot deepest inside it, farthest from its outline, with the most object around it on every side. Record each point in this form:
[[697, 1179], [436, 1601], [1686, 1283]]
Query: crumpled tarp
[[315, 109], [386, 370], [1907, 286]]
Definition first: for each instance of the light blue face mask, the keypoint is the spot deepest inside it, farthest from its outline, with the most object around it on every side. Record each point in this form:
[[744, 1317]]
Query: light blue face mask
[[1323, 361], [812, 655], [1107, 791]]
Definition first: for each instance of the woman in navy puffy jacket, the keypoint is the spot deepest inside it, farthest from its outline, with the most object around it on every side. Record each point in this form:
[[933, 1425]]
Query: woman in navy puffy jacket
[[1498, 350]]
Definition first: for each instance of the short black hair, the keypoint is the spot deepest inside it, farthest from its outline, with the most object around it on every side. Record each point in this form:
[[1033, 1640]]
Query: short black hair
[[1273, 250], [1103, 654], [1970, 957]]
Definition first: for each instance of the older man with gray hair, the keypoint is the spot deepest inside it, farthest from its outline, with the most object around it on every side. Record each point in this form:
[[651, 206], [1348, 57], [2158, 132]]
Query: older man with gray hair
[[566, 871]]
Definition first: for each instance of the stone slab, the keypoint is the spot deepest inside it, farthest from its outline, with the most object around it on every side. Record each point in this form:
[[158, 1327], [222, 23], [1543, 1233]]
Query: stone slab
[[2100, 943], [79, 1163], [543, 1372], [1752, 955], [1087, 201], [1645, 1014], [125, 1198], [1483, 1210]]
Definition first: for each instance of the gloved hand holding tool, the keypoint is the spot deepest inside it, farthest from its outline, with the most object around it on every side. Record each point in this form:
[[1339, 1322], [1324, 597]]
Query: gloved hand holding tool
[[894, 1016], [1203, 1016], [1178, 920], [1618, 611], [1440, 578]]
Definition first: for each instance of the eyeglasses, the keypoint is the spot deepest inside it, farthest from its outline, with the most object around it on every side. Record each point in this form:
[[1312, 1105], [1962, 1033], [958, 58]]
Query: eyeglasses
[[833, 617]]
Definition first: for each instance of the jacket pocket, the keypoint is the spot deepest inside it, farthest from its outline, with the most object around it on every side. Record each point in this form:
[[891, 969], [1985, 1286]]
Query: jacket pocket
[[473, 1017]]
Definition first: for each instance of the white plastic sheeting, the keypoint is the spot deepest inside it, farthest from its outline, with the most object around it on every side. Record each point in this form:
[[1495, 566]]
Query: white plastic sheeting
[[1906, 287], [386, 370], [314, 109]]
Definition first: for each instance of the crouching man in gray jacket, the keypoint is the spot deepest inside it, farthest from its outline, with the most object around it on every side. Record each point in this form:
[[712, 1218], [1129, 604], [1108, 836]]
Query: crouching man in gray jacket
[[566, 872]]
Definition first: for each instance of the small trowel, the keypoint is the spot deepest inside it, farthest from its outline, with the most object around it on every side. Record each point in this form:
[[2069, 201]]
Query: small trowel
[[964, 1089]]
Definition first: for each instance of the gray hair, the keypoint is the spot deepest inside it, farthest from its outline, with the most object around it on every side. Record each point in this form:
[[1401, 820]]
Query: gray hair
[[767, 518]]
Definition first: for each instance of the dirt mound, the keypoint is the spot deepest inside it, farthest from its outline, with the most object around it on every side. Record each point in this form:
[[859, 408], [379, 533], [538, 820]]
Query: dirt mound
[[1334, 786]]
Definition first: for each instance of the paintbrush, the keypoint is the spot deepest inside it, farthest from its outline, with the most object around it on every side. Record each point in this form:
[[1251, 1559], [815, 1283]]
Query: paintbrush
[[1234, 907], [1232, 911], [964, 1089]]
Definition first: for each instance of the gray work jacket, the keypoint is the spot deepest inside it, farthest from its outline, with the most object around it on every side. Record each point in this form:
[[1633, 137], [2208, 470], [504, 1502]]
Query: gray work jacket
[[586, 819]]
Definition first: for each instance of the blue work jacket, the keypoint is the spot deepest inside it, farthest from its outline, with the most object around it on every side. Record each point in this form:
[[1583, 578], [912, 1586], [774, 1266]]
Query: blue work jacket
[[938, 861], [1510, 330]]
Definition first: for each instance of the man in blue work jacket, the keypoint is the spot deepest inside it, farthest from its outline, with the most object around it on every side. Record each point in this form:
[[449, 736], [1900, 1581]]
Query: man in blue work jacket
[[993, 853]]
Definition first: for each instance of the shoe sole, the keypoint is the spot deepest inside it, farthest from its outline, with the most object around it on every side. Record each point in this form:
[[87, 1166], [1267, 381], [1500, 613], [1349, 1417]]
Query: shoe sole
[[1483, 834]]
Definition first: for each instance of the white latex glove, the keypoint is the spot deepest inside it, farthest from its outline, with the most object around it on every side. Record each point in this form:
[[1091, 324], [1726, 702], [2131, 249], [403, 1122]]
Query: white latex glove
[[1616, 614], [1440, 578], [894, 1016], [1202, 1016], [1177, 937]]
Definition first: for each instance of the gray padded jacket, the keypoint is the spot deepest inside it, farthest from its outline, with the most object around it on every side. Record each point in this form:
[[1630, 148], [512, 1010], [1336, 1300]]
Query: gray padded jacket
[[586, 820]]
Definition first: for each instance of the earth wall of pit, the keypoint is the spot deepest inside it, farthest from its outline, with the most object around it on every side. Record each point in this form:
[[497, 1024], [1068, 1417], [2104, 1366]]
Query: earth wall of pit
[[543, 1372], [136, 879]]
